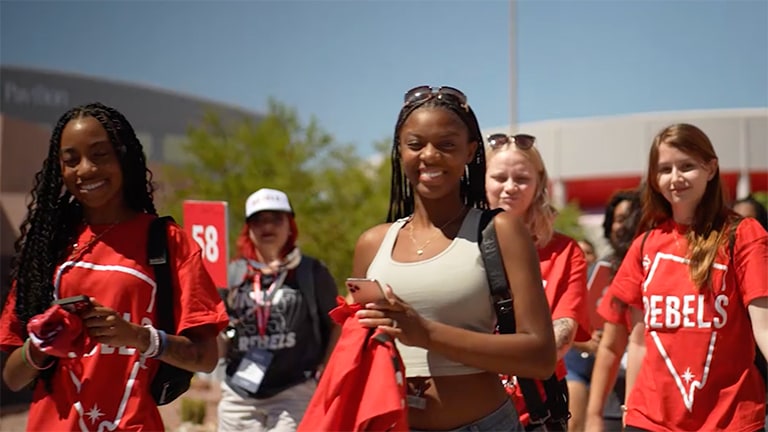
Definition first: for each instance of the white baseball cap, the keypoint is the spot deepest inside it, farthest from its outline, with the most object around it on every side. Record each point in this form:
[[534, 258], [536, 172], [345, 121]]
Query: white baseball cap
[[267, 199]]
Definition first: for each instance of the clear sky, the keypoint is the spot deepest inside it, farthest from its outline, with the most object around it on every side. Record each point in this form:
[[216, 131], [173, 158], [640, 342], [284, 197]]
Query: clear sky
[[348, 62]]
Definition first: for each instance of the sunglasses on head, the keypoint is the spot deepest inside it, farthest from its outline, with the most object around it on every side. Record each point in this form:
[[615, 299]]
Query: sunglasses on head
[[423, 93], [521, 141]]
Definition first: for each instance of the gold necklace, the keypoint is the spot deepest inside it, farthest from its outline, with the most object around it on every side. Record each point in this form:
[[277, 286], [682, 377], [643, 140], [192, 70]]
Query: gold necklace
[[420, 250], [77, 252]]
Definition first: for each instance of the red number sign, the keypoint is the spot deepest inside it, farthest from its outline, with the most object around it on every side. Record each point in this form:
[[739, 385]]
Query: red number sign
[[206, 222]]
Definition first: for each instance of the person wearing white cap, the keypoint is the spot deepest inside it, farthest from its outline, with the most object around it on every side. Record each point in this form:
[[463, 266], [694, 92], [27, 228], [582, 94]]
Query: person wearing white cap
[[280, 334]]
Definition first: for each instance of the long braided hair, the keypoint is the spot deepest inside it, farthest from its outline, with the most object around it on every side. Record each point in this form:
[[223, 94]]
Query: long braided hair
[[401, 200], [53, 214]]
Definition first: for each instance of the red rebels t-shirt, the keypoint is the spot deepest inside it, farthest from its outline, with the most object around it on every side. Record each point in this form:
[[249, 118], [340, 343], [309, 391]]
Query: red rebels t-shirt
[[564, 276], [698, 372], [109, 389]]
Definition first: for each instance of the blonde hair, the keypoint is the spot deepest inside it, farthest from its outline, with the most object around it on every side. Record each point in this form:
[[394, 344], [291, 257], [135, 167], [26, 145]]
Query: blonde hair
[[540, 216]]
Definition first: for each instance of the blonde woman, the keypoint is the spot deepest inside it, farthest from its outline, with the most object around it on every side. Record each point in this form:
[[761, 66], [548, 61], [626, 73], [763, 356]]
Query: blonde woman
[[516, 181]]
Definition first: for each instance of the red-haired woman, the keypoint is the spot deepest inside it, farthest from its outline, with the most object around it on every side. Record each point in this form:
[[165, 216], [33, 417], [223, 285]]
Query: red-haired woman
[[280, 334]]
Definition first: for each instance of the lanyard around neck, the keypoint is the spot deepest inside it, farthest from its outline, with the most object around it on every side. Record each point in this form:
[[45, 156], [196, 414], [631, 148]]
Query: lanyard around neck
[[263, 298]]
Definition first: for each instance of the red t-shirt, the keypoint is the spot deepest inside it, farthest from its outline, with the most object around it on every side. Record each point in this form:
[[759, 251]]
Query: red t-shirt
[[109, 390], [564, 276], [698, 372], [612, 312]]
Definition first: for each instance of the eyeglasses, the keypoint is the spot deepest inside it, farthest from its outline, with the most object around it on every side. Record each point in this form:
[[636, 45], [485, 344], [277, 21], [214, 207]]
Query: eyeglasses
[[521, 141], [423, 93]]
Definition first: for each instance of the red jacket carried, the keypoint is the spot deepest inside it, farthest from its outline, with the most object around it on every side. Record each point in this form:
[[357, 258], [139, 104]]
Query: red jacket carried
[[363, 385]]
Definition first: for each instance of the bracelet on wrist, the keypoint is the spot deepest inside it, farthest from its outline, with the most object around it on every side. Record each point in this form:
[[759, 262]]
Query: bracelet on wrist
[[163, 343], [26, 357], [154, 343]]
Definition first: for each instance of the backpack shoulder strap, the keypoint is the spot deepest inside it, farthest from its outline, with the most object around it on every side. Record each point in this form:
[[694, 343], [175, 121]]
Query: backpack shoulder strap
[[732, 237], [236, 272], [642, 243], [556, 405], [160, 260], [305, 275], [495, 273]]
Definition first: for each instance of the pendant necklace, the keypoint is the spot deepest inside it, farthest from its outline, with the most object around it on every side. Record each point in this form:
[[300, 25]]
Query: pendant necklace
[[77, 250], [420, 249]]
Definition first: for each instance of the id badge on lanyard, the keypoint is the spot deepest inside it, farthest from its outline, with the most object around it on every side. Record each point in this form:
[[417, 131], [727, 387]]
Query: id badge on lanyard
[[263, 299]]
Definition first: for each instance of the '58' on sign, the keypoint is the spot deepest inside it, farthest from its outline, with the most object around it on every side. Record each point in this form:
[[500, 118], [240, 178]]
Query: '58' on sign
[[206, 222]]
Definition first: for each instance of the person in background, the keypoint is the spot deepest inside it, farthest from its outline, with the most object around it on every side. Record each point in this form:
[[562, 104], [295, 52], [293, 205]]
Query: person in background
[[750, 207], [698, 273], [516, 181], [86, 233], [589, 251], [437, 301], [607, 382], [278, 301]]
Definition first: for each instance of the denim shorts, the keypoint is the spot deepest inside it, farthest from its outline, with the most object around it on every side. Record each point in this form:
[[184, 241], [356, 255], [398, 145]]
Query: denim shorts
[[504, 418], [579, 366]]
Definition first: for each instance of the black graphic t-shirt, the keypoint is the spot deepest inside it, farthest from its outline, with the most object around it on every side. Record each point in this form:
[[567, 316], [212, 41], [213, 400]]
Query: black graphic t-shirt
[[289, 333]]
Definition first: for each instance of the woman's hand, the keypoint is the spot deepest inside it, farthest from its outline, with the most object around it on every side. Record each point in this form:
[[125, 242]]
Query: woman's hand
[[397, 319], [105, 325]]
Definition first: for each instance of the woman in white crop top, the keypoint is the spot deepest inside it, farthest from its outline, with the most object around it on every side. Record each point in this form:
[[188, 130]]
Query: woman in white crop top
[[438, 304]]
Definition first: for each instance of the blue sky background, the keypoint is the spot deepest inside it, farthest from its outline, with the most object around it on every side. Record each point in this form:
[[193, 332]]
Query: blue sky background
[[348, 62]]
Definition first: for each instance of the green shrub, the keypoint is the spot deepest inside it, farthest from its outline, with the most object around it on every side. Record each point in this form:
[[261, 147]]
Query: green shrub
[[193, 410]]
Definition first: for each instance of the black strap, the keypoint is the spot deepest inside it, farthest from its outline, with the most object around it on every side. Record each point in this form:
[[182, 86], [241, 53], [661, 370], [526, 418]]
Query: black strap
[[494, 271], [306, 277], [556, 405], [159, 259]]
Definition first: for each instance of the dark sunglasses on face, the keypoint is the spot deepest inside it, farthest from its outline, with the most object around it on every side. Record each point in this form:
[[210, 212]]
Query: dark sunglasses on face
[[423, 93], [521, 141]]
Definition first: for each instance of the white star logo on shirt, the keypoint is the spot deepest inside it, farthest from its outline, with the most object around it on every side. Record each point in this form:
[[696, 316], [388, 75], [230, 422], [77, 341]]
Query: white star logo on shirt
[[687, 376], [94, 413]]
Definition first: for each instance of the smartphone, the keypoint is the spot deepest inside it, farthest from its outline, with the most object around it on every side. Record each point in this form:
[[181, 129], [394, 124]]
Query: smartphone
[[365, 291], [74, 304]]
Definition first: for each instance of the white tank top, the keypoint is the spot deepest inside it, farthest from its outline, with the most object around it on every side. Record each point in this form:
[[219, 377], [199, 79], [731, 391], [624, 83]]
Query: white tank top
[[450, 288]]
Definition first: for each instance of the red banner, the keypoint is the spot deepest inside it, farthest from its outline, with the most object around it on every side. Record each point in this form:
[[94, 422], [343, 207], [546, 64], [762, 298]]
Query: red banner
[[206, 222]]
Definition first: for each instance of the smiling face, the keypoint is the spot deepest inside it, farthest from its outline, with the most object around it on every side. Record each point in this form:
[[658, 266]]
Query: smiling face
[[511, 181], [91, 169], [682, 179], [434, 148]]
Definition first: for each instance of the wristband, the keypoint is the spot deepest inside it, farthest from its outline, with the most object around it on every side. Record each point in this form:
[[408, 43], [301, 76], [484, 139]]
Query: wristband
[[163, 343], [26, 357]]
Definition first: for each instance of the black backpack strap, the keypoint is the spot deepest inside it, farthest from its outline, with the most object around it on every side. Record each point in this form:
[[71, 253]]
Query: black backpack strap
[[306, 277], [539, 411], [160, 260], [642, 244], [494, 271]]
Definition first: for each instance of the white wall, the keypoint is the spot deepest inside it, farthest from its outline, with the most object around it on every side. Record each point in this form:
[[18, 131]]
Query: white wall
[[609, 146]]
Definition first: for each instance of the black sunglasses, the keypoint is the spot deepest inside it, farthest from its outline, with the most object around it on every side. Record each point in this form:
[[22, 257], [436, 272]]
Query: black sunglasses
[[422, 93], [521, 141]]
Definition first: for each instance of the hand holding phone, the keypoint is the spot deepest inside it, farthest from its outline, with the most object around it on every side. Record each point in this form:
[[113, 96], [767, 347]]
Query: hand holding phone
[[74, 304], [364, 291]]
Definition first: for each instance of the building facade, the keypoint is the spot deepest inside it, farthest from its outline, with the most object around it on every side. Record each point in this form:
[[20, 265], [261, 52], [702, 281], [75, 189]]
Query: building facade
[[589, 159], [32, 102]]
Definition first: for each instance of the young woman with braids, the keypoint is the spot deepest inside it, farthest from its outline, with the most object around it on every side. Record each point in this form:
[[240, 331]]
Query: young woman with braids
[[698, 273], [438, 303], [85, 233], [517, 182]]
